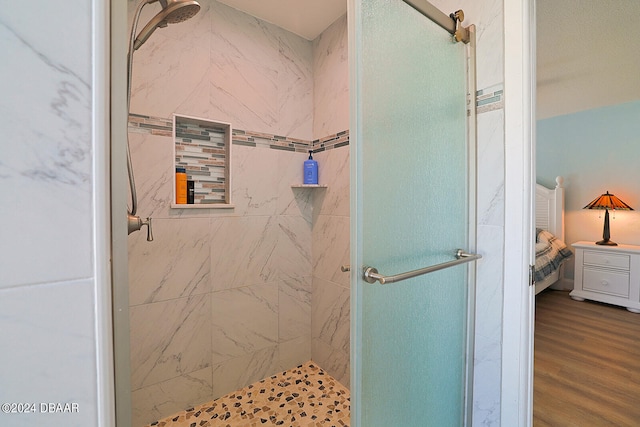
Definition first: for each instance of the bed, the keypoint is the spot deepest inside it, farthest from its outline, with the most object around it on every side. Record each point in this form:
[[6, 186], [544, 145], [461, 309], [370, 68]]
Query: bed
[[551, 252]]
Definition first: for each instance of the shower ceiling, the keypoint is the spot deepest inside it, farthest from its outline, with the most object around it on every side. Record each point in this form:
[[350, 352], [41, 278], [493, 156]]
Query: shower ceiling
[[306, 18]]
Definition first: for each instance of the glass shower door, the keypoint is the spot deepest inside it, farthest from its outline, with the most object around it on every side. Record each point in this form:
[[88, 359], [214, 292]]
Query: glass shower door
[[411, 193]]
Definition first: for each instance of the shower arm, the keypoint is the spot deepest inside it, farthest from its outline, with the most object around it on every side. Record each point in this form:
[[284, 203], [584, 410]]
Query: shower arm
[[134, 223]]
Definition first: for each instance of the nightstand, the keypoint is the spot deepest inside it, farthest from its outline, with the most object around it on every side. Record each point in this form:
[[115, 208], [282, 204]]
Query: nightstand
[[608, 274]]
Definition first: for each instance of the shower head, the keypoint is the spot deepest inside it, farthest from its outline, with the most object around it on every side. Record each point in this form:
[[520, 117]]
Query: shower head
[[173, 12]]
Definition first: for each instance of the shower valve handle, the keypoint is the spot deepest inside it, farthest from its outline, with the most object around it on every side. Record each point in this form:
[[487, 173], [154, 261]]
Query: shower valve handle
[[149, 232], [134, 223]]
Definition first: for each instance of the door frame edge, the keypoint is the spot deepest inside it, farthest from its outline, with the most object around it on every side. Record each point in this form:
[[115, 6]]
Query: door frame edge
[[517, 333]]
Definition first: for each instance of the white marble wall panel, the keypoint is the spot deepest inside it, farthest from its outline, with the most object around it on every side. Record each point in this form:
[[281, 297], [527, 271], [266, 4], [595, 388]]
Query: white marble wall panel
[[169, 339], [49, 328], [489, 283], [156, 401], [244, 93], [161, 271], [244, 320], [302, 201], [239, 372], [294, 352], [334, 361], [330, 314], [331, 82], [294, 315], [159, 73], [293, 201], [226, 65], [488, 320], [152, 157], [48, 352], [60, 248], [239, 35], [45, 170], [330, 324], [486, 380], [243, 251], [295, 87], [333, 171], [260, 75], [170, 67], [293, 250], [487, 17], [491, 168], [331, 248], [491, 215], [254, 180]]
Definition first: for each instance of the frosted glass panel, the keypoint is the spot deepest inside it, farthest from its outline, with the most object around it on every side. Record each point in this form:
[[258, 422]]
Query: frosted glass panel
[[412, 210]]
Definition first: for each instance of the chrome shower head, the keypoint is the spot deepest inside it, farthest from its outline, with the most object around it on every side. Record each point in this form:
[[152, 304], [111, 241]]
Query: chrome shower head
[[173, 12]]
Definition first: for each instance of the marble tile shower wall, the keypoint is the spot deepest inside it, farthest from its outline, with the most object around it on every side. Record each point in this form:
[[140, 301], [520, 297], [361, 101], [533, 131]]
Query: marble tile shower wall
[[329, 312], [53, 338], [330, 307], [226, 65], [330, 236], [219, 299], [222, 298]]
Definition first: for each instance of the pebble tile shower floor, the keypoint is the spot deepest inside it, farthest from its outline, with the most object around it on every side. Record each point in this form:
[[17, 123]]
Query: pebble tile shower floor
[[301, 397]]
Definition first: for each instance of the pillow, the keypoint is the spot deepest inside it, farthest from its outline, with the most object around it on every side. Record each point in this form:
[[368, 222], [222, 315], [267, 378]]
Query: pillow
[[551, 252]]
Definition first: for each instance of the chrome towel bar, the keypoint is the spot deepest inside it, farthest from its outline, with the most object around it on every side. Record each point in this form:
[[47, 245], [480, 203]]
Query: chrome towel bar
[[371, 275]]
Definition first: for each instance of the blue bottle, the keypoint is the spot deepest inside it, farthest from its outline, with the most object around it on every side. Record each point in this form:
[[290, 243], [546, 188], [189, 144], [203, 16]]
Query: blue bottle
[[310, 170]]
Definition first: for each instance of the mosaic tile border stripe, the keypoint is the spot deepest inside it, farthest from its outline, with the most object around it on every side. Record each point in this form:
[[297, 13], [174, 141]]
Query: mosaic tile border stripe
[[340, 139], [153, 125], [139, 123], [275, 142], [490, 99]]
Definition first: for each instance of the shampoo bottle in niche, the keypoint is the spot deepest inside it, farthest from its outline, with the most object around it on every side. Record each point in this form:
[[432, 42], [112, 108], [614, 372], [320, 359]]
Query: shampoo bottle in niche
[[191, 192], [181, 186], [310, 170]]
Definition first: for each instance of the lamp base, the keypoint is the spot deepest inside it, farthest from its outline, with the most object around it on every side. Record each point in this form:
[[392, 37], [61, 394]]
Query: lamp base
[[605, 233], [606, 242]]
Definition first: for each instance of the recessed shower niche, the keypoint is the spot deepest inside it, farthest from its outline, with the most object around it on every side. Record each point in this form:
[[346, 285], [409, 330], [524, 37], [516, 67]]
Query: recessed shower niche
[[203, 149]]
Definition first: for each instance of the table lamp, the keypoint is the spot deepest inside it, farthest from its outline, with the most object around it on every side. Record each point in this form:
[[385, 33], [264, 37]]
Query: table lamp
[[607, 201]]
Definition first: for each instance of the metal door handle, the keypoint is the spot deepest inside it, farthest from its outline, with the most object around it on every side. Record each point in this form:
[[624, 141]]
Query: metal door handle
[[371, 275]]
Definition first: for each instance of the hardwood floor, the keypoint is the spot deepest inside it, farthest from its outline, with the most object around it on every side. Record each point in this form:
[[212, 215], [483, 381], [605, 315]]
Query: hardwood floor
[[587, 363]]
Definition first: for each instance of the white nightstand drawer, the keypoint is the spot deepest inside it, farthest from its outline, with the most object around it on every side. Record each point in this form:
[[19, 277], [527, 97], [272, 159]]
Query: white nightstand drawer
[[607, 282], [607, 260]]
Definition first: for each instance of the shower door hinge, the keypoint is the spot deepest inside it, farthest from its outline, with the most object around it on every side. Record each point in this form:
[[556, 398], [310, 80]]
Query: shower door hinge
[[461, 33], [532, 275]]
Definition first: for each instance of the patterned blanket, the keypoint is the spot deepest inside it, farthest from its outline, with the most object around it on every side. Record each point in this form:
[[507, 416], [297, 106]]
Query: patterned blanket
[[551, 252]]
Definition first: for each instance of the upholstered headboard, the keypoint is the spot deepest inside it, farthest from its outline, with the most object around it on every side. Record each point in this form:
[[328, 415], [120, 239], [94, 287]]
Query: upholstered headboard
[[550, 208]]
